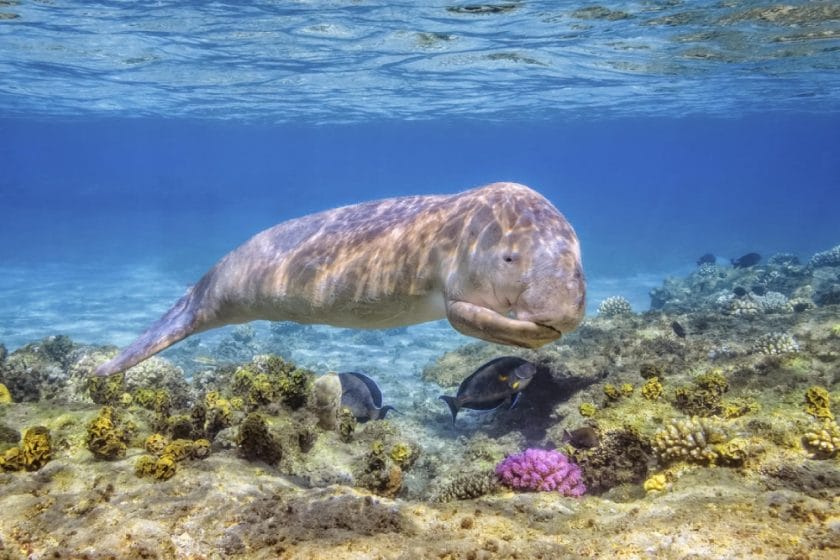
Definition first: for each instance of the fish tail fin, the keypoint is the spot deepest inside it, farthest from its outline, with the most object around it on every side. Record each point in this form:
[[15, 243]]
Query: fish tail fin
[[453, 405], [176, 324], [380, 415]]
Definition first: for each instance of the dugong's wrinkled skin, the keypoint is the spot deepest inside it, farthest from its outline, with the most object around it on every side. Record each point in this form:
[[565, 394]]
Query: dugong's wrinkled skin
[[499, 262]]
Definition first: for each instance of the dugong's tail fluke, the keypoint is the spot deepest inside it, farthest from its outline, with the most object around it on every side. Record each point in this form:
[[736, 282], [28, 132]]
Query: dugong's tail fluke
[[177, 324]]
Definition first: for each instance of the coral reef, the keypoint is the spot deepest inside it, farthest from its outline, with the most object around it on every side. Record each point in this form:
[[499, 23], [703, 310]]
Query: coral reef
[[5, 395], [622, 457], [615, 306], [693, 440], [776, 343], [107, 436], [830, 257], [818, 403], [256, 443], [34, 452], [824, 440], [541, 470], [379, 473], [468, 486]]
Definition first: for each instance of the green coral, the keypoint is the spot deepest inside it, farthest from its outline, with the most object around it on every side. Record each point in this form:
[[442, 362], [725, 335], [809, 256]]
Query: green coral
[[156, 443], [256, 441], [650, 370], [652, 389], [106, 390], [145, 465], [165, 468], [818, 403], [612, 392], [738, 407], [219, 416], [180, 426], [703, 398], [201, 448], [179, 450], [269, 378], [107, 437], [378, 473], [403, 455], [346, 424]]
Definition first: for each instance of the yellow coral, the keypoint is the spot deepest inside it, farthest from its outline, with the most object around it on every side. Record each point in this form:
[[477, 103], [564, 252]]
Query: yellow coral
[[179, 449], [156, 443], [611, 391], [5, 395], [36, 448], [401, 453], [201, 448], [835, 330], [145, 465], [165, 468], [587, 409], [652, 389], [105, 438], [626, 389], [12, 460], [656, 483], [818, 403]]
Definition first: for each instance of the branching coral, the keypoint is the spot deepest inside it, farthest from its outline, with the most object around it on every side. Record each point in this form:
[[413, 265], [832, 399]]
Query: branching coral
[[774, 344], [468, 486], [823, 441], [615, 306], [691, 440]]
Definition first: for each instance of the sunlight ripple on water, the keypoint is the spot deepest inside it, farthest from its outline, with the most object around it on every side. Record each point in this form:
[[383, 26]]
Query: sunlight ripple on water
[[321, 61]]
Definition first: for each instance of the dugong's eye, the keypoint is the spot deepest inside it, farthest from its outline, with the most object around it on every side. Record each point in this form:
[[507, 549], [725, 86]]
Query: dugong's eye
[[510, 257]]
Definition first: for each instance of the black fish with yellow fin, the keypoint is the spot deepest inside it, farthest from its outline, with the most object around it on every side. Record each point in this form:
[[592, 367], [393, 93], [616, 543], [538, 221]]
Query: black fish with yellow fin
[[490, 386], [361, 395]]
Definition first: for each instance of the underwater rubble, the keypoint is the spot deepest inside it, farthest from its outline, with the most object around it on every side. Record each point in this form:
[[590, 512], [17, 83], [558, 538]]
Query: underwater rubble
[[710, 426]]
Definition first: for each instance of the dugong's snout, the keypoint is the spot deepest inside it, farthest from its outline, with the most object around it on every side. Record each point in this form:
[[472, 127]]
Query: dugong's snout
[[556, 301]]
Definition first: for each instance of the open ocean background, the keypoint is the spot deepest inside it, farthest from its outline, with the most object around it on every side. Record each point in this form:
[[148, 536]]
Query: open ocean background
[[140, 142]]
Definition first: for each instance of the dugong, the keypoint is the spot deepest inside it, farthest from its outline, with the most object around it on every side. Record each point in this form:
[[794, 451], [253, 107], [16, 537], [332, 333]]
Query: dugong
[[499, 262]]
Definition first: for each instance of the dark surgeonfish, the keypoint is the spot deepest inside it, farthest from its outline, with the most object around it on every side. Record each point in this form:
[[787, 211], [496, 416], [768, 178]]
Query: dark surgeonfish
[[361, 395], [491, 385], [746, 261], [584, 437]]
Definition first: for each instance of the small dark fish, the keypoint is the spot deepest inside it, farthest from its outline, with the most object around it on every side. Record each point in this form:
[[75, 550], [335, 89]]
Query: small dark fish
[[361, 395], [708, 258], [491, 385], [581, 438], [678, 329], [759, 290], [739, 291], [746, 261]]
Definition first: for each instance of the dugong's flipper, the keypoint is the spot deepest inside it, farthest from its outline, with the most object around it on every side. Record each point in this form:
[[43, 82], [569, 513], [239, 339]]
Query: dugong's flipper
[[177, 324]]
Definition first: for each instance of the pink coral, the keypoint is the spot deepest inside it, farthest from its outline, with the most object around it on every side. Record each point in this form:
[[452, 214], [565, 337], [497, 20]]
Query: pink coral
[[541, 470]]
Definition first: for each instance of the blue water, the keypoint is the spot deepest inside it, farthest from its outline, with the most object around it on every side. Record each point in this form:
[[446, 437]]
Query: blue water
[[138, 145]]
